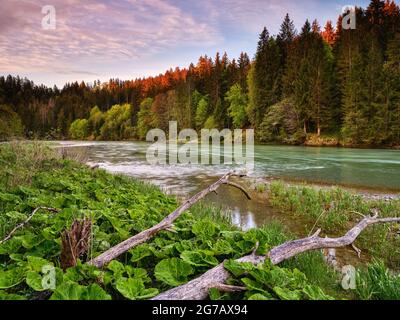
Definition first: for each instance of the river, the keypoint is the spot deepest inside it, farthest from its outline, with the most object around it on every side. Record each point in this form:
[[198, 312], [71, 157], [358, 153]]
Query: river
[[370, 169]]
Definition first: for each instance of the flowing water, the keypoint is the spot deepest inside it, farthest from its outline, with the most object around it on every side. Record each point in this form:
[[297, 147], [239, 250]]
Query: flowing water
[[361, 168]]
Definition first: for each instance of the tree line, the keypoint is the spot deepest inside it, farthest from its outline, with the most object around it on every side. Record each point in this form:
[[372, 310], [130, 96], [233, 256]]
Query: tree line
[[314, 83]]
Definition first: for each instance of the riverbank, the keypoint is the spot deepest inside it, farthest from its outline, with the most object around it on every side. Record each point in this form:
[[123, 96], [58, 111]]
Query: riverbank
[[312, 140], [365, 192], [334, 141], [33, 175]]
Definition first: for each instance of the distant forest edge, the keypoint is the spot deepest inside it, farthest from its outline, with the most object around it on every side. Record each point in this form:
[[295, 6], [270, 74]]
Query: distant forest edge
[[332, 87]]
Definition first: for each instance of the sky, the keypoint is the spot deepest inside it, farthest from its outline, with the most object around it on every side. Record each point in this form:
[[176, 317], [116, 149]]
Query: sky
[[128, 39]]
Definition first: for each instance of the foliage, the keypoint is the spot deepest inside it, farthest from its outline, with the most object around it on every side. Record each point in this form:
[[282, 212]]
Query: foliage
[[10, 123], [144, 118], [96, 121], [376, 282], [267, 282], [237, 105], [79, 129], [281, 123], [117, 123], [201, 112]]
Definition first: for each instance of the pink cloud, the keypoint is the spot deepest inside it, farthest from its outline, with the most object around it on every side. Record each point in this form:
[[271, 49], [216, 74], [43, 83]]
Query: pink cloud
[[93, 30]]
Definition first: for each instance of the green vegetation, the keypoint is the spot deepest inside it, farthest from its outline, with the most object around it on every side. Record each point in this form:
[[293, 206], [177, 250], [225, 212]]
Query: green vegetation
[[378, 283], [10, 124], [237, 108], [320, 87], [79, 129]]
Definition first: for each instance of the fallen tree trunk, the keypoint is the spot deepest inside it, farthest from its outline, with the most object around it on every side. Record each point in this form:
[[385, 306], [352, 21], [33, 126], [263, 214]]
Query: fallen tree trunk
[[198, 288], [165, 224]]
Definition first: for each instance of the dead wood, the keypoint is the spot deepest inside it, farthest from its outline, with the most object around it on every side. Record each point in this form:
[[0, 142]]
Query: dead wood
[[75, 242]]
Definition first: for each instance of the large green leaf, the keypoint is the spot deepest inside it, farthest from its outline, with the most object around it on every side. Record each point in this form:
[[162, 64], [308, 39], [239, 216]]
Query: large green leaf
[[10, 246], [37, 263], [238, 268], [95, 292], [137, 273], [117, 268], [173, 272], [68, 291], [6, 296], [316, 293], [259, 296], [222, 247], [11, 278], [287, 294], [140, 253], [34, 280], [254, 285], [134, 289], [29, 240], [205, 229], [199, 258]]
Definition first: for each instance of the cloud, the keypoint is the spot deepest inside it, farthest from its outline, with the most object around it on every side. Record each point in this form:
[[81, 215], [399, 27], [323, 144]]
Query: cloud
[[120, 37], [250, 16], [93, 31]]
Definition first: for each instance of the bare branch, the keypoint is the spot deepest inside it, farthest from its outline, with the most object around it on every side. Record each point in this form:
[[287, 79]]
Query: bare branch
[[357, 250], [235, 185], [228, 288], [293, 248]]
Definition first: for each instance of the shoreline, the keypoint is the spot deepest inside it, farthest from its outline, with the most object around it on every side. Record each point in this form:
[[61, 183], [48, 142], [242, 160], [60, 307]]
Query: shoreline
[[365, 192], [306, 144]]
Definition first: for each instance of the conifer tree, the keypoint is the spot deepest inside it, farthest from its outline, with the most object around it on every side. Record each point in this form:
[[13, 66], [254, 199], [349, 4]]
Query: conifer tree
[[266, 75], [329, 34]]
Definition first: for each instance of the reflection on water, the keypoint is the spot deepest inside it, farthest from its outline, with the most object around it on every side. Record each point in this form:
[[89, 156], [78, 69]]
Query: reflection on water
[[379, 169]]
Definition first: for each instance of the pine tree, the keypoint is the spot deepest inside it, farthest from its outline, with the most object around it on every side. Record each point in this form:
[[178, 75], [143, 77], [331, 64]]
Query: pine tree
[[316, 28], [375, 14], [329, 34], [286, 37], [375, 110], [244, 66], [354, 122], [321, 103], [266, 75], [392, 90]]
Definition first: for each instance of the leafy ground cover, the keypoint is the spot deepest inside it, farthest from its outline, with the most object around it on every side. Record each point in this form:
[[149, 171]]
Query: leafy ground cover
[[32, 175]]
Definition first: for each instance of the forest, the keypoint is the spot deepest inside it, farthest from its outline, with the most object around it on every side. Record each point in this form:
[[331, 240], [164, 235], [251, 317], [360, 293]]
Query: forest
[[321, 85]]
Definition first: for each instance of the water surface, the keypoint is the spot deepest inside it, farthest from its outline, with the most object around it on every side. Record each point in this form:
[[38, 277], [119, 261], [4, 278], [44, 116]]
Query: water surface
[[362, 168]]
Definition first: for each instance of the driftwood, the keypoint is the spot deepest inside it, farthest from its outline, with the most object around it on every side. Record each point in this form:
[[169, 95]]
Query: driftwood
[[164, 225], [21, 225], [198, 289]]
